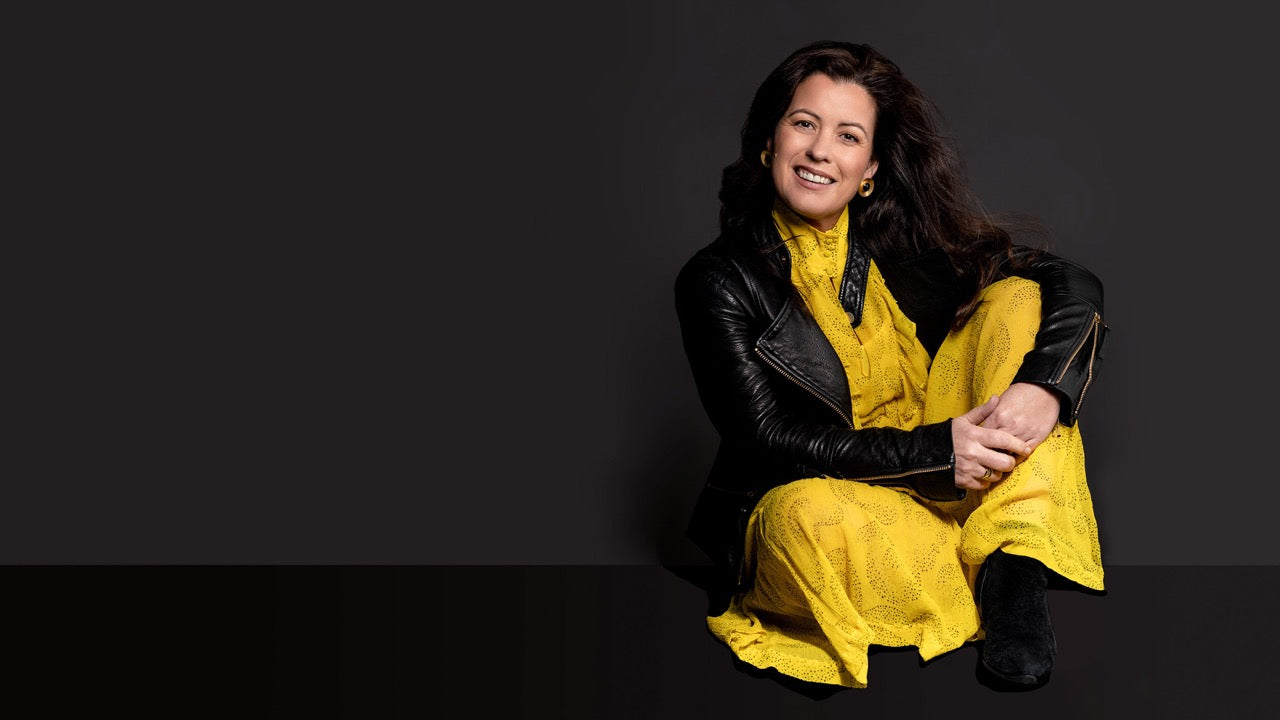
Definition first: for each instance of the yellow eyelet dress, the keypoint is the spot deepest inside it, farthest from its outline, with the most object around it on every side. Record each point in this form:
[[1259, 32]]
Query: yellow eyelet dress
[[840, 565]]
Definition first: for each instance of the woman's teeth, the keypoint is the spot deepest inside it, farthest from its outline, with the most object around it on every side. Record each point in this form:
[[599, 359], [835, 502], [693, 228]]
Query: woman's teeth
[[814, 178]]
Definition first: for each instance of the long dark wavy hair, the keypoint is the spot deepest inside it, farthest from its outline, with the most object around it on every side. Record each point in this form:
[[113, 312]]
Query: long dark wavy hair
[[921, 200]]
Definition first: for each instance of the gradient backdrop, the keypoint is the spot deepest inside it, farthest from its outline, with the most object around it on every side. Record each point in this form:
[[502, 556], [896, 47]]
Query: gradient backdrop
[[395, 286]]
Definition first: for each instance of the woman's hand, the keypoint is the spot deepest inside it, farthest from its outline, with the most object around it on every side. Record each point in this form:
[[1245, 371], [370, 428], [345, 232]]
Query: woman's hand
[[1026, 411], [983, 454]]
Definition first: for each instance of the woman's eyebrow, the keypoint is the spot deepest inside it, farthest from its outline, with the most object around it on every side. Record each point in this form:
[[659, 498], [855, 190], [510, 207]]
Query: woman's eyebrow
[[819, 117], [804, 110]]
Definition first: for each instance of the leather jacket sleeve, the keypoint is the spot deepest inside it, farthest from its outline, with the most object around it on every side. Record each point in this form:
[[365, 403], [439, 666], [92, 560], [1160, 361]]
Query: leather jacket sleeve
[[722, 312], [1068, 350]]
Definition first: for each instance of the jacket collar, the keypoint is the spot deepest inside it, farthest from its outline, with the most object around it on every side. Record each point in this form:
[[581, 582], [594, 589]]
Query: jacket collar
[[768, 243]]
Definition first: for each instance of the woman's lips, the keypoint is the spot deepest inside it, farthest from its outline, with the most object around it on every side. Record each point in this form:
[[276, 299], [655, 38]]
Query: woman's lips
[[813, 178]]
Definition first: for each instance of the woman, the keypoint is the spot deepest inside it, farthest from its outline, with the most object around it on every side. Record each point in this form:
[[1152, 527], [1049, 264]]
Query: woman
[[895, 385]]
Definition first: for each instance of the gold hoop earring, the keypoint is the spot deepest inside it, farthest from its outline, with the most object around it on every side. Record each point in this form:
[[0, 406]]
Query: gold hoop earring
[[766, 158], [866, 187]]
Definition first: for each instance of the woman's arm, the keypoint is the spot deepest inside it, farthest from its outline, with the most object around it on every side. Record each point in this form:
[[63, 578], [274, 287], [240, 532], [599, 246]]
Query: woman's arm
[[740, 392], [1068, 346]]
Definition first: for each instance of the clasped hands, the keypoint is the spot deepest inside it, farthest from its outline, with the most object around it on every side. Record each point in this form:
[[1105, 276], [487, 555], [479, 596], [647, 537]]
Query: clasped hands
[[990, 440]]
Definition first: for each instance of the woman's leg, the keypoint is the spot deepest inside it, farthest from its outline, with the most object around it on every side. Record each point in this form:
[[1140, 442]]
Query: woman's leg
[[1043, 509], [839, 566], [1040, 516]]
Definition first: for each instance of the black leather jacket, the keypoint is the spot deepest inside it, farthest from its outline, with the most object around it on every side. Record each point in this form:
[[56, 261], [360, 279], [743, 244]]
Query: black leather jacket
[[776, 392]]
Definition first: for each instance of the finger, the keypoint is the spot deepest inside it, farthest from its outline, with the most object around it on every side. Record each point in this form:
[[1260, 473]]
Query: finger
[[975, 475], [980, 413], [1001, 440], [998, 418], [972, 484], [999, 462], [1008, 418]]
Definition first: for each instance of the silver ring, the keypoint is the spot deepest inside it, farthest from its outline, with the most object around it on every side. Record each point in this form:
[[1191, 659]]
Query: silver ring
[[986, 475]]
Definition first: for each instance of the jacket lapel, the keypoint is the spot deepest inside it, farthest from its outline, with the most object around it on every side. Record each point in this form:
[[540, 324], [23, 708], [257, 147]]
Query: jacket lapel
[[793, 342], [795, 345]]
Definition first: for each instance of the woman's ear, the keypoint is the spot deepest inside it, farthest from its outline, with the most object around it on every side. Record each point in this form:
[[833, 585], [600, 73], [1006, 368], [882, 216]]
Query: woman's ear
[[871, 169]]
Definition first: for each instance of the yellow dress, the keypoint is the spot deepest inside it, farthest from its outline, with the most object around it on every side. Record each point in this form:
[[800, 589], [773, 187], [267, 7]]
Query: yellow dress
[[841, 565]]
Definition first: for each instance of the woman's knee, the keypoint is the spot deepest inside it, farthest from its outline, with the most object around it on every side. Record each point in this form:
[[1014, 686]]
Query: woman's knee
[[1001, 331], [800, 508], [1013, 300]]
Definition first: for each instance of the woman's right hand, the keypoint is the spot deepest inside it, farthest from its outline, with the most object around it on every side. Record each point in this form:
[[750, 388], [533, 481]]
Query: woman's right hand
[[978, 449]]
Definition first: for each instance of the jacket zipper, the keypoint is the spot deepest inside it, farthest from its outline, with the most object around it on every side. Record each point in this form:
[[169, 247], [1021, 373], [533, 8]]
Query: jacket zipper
[[807, 389], [1093, 332], [891, 476]]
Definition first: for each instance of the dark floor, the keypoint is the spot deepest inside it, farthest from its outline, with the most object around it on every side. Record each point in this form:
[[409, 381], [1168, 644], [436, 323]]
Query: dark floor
[[581, 642]]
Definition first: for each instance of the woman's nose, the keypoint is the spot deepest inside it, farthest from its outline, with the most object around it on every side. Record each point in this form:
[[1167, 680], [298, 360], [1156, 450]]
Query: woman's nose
[[818, 149]]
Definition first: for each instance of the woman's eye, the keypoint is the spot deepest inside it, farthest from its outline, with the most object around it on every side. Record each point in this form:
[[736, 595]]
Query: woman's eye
[[804, 124], [849, 137]]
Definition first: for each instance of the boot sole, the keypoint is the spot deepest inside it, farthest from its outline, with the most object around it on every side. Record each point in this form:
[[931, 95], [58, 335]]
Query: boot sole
[[1009, 683]]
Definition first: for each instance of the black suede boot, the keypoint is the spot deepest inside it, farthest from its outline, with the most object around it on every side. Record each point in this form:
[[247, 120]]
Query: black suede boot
[[1019, 647]]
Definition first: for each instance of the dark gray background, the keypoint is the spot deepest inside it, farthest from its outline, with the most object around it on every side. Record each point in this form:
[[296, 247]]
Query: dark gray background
[[407, 296]]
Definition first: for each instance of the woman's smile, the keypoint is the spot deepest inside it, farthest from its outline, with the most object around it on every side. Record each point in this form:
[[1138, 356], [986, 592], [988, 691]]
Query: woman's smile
[[813, 177]]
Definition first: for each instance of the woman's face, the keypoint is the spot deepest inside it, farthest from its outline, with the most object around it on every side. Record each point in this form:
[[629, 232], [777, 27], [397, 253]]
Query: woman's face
[[822, 148]]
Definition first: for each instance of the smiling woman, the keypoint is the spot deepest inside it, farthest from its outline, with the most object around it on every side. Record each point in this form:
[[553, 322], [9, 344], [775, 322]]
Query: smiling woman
[[895, 385]]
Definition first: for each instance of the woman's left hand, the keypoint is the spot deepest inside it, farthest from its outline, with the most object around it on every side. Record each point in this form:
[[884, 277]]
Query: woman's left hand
[[1026, 411]]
